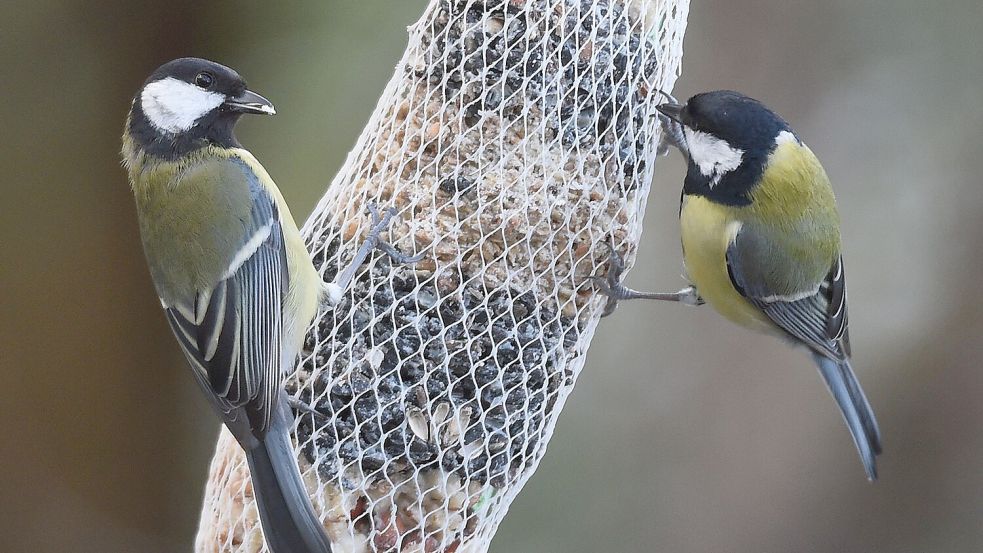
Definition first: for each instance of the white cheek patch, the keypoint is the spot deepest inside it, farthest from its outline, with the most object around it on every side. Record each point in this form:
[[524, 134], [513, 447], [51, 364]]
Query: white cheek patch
[[174, 106], [713, 156]]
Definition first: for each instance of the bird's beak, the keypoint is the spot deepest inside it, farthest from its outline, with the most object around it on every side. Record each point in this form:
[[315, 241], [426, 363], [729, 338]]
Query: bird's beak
[[671, 110], [250, 102]]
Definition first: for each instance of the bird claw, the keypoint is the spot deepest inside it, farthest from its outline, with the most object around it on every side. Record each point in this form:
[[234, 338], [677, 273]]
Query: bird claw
[[379, 223], [672, 132], [672, 135], [332, 292], [302, 407], [604, 287], [399, 257], [610, 285]]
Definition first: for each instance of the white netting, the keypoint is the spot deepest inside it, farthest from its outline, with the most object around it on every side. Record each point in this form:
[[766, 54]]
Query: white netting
[[517, 140]]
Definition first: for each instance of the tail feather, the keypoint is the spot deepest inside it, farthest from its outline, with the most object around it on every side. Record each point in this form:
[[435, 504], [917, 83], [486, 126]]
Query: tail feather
[[289, 522], [856, 410]]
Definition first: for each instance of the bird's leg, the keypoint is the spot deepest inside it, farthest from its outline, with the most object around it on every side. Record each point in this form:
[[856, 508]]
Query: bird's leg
[[334, 290], [610, 285]]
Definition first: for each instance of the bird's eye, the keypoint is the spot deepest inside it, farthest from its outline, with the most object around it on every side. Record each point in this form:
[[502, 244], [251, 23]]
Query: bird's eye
[[204, 79]]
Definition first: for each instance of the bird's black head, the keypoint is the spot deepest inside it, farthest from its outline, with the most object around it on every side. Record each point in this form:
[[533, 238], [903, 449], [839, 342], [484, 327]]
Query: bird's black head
[[188, 103], [729, 137]]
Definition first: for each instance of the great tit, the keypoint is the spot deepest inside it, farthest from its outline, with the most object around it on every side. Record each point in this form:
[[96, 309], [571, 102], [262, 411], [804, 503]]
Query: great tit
[[236, 282], [761, 240]]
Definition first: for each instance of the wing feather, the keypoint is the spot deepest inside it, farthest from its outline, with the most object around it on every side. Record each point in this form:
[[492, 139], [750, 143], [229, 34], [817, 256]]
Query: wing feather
[[818, 319]]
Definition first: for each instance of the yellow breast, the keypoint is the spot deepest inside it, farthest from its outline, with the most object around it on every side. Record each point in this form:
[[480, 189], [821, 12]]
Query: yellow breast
[[707, 229]]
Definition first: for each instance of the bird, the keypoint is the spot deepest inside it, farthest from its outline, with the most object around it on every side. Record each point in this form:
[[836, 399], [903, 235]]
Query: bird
[[235, 280], [761, 240]]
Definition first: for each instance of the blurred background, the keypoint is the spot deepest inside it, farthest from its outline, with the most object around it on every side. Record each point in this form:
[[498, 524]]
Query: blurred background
[[684, 434]]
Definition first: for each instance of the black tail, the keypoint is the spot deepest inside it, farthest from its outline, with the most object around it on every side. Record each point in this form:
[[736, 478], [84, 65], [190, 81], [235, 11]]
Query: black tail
[[855, 408], [289, 522]]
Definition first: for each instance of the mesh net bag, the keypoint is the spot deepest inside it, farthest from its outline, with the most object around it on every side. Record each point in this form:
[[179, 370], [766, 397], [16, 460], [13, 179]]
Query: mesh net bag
[[517, 141]]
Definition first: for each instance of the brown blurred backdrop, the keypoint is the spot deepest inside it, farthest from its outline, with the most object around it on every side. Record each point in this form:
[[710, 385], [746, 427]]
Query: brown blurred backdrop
[[685, 434]]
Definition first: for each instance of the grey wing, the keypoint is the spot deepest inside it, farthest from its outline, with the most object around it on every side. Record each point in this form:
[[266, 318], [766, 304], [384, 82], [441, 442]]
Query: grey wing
[[817, 317], [232, 333]]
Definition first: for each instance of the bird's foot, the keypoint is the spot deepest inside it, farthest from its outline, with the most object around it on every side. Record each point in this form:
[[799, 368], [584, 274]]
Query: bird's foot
[[333, 291], [672, 132], [302, 407], [610, 285], [672, 135], [379, 223]]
